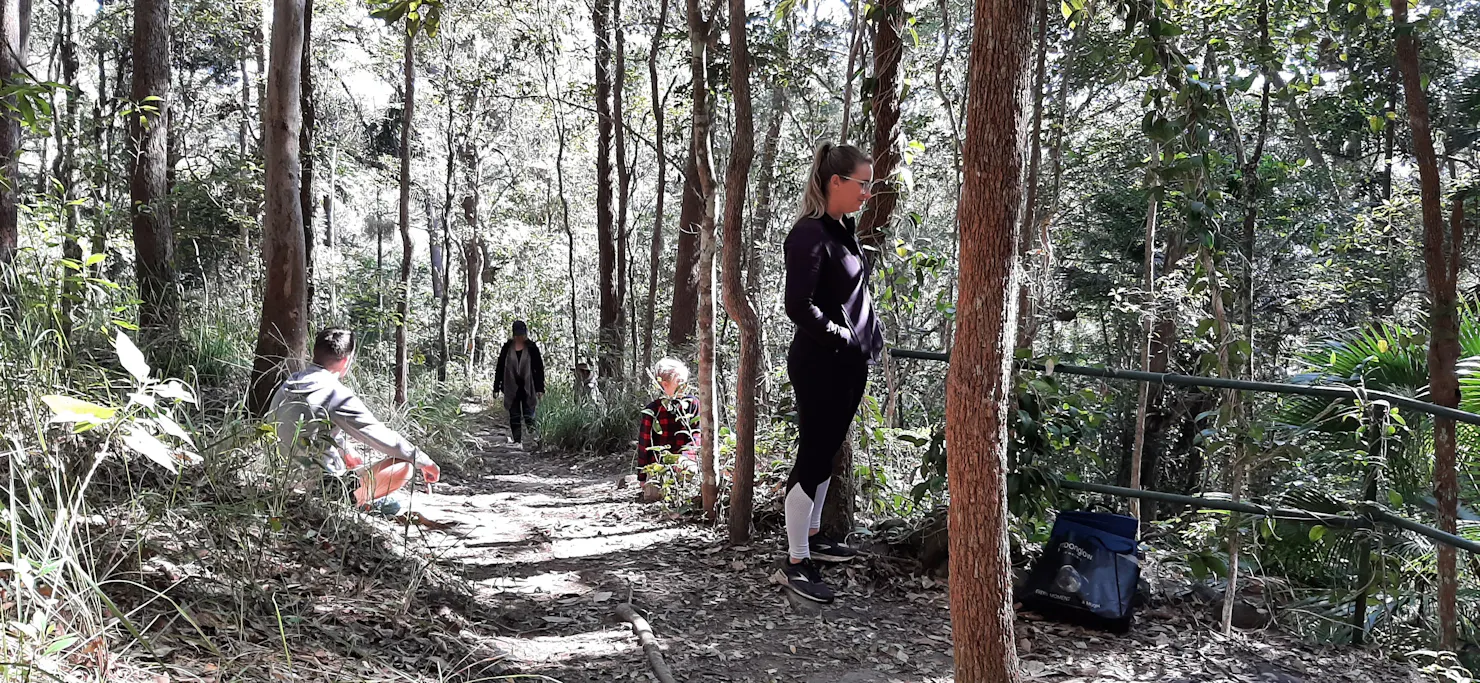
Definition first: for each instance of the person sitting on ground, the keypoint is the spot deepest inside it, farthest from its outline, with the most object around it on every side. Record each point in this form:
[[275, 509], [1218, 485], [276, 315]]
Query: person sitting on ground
[[520, 375], [315, 414], [670, 424]]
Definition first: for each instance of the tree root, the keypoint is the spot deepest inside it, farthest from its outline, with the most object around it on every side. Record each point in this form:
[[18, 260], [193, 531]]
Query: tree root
[[649, 642]]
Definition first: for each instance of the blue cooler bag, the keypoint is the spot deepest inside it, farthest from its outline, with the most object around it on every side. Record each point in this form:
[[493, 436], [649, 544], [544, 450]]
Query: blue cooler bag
[[1088, 571]]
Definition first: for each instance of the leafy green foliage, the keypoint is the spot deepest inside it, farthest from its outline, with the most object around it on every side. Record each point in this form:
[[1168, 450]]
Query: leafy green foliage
[[1390, 358], [29, 102], [418, 15], [606, 427]]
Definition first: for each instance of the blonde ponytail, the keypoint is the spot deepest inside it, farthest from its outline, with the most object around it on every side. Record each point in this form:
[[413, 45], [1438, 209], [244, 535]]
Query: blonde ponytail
[[830, 160]]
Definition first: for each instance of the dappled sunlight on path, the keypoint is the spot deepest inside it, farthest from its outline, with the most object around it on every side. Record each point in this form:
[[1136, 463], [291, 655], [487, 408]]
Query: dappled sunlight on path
[[549, 544]]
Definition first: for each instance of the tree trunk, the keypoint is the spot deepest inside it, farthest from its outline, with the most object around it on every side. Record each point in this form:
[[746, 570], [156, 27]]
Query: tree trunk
[[306, 150], [737, 298], [1441, 257], [570, 234], [473, 258], [443, 350], [1235, 410], [979, 383], [1148, 316], [243, 134], [1232, 414], [888, 49], [619, 120], [609, 345], [443, 275], [403, 293], [684, 318], [1237, 474], [435, 257], [379, 264], [837, 509], [630, 315], [244, 126], [1249, 188], [15, 25], [255, 37], [101, 173], [1028, 308], [698, 66], [329, 198], [66, 165], [854, 42], [154, 240], [760, 231], [655, 252], [283, 333], [950, 109]]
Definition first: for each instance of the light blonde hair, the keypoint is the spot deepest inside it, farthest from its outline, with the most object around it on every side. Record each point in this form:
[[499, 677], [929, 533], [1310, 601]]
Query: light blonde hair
[[830, 160], [671, 368]]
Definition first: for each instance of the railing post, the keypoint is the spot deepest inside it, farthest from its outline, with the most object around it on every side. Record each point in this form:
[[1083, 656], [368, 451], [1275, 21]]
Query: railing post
[[1375, 453]]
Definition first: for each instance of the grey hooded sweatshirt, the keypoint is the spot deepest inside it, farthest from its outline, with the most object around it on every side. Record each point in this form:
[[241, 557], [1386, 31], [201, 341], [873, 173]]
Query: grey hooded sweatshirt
[[314, 412]]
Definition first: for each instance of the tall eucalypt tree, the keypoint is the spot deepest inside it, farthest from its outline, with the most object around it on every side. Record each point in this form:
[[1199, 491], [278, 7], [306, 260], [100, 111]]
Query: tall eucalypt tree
[[417, 16]]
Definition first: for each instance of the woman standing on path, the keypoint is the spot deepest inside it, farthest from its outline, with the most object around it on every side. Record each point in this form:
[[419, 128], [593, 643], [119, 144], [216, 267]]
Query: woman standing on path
[[520, 374], [837, 337]]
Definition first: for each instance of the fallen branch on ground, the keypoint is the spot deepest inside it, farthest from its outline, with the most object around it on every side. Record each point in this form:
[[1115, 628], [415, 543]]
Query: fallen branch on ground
[[649, 642]]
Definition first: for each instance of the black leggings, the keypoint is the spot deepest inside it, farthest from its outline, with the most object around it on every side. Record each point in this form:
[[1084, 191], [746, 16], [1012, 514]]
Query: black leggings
[[829, 386]]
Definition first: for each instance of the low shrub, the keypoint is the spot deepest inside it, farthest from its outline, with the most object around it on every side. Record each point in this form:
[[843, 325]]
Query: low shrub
[[605, 425]]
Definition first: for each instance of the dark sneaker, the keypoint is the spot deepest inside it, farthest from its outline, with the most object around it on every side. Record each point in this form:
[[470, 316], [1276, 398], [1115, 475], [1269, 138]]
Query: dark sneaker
[[341, 486], [385, 507], [825, 549], [804, 580]]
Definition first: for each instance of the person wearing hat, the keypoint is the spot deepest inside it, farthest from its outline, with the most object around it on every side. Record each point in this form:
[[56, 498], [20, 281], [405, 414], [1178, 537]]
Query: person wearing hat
[[520, 375], [586, 387]]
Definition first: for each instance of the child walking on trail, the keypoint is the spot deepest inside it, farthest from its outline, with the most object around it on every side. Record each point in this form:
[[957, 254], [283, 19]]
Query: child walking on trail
[[837, 338], [315, 414], [670, 424], [520, 375]]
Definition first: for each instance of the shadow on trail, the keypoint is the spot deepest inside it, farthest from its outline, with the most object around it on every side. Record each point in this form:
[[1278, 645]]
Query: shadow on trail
[[550, 544]]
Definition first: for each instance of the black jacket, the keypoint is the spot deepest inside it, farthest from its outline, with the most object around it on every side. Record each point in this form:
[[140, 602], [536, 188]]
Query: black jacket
[[827, 288], [536, 366]]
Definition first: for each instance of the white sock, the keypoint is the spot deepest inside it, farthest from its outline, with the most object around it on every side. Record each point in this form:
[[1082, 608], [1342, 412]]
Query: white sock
[[817, 504], [798, 515]]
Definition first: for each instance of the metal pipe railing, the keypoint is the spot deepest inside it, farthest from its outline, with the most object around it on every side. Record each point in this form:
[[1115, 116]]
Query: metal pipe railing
[[1255, 509], [1166, 378], [1369, 512]]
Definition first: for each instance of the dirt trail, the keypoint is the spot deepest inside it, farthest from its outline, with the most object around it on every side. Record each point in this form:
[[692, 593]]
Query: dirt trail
[[522, 584], [551, 545]]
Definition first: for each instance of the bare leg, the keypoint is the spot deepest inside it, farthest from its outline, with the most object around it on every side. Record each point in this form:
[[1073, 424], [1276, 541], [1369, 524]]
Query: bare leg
[[382, 479]]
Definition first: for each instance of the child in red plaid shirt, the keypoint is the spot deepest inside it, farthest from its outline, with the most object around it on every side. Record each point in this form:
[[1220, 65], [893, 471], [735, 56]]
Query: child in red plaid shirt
[[670, 424]]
